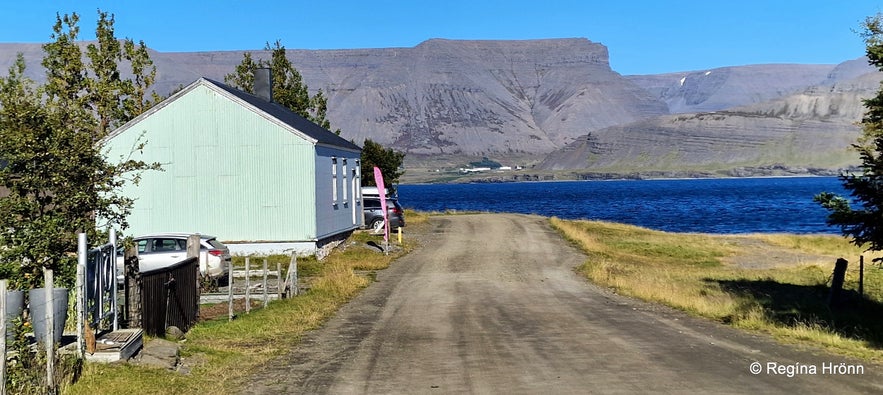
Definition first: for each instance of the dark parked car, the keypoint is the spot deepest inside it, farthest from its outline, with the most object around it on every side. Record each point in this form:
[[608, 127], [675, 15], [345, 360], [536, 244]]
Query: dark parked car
[[374, 214]]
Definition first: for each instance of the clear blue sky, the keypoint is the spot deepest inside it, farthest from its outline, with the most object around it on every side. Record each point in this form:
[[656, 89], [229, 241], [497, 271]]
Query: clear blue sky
[[643, 37]]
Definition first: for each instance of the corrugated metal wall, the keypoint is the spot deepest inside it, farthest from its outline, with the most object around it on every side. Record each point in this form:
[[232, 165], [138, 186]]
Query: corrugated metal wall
[[228, 172], [170, 297], [340, 209]]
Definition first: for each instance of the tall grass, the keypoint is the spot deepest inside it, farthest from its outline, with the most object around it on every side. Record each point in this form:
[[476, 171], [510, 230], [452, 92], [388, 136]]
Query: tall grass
[[690, 272]]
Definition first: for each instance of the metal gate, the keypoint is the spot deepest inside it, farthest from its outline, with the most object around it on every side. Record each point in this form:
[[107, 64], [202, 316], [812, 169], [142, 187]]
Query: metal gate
[[170, 297]]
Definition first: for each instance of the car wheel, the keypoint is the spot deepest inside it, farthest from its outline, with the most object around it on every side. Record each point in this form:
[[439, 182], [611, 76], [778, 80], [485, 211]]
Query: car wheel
[[377, 226]]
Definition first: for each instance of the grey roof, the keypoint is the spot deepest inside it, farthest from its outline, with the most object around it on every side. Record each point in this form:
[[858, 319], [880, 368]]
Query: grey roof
[[288, 117]]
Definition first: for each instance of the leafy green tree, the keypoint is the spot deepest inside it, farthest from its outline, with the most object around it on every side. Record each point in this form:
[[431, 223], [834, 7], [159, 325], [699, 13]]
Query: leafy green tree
[[289, 89], [388, 160], [58, 180], [864, 222], [113, 99], [485, 162], [243, 77]]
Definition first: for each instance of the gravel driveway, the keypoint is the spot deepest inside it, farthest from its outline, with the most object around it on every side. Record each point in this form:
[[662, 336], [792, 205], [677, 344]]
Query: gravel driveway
[[491, 305]]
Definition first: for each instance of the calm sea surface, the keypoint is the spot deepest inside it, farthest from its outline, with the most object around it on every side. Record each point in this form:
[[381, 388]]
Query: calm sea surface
[[738, 205]]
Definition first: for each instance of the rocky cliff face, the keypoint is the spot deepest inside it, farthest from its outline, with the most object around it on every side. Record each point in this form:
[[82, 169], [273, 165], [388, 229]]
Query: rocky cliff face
[[807, 131], [443, 96], [559, 97], [722, 88], [477, 97]]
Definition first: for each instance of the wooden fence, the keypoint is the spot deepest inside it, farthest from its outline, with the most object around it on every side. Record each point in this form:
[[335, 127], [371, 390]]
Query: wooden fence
[[256, 282]]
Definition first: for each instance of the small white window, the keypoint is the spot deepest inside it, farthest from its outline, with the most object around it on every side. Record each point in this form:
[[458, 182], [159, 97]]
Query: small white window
[[343, 181], [357, 175], [334, 180]]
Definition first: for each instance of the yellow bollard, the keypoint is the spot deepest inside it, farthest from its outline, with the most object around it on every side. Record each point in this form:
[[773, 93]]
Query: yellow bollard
[[400, 235]]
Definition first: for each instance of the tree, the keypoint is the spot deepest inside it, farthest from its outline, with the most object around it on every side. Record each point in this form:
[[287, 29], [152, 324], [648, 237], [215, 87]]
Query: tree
[[289, 90], [387, 160], [58, 180], [864, 222]]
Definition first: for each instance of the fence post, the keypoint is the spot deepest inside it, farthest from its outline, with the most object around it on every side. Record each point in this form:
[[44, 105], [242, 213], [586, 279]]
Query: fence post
[[81, 293], [861, 276], [113, 263], [247, 285], [279, 286], [3, 325], [264, 284], [132, 278], [292, 274], [837, 281], [230, 291], [50, 329], [193, 252]]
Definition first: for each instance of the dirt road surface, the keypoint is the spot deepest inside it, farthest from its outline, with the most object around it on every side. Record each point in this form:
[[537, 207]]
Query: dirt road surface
[[491, 305]]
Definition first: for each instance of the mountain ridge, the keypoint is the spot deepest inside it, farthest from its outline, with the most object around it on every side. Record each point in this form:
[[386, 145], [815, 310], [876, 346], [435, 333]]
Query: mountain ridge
[[531, 100]]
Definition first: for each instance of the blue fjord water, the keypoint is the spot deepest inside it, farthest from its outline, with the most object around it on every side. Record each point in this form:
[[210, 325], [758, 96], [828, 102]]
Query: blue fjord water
[[733, 205]]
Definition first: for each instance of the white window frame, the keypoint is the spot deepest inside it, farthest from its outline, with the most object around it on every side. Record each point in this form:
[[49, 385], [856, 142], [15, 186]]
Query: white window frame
[[334, 184], [344, 195], [358, 170]]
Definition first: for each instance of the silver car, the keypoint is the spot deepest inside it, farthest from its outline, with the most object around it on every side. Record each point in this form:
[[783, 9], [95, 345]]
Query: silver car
[[165, 249]]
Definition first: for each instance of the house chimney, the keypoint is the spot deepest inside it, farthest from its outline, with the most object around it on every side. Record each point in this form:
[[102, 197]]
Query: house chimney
[[263, 84]]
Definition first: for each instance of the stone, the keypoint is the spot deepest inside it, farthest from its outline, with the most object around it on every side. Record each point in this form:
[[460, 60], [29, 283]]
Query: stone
[[159, 353], [174, 333]]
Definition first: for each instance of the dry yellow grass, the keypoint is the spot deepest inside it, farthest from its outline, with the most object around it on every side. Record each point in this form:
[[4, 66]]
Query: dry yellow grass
[[771, 283]]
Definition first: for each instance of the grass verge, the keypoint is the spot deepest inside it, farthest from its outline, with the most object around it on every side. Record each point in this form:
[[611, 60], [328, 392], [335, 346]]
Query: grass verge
[[696, 273], [222, 353]]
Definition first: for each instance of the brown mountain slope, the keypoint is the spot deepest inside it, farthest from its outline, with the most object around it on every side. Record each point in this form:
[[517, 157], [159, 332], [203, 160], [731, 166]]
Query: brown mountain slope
[[523, 99], [807, 132]]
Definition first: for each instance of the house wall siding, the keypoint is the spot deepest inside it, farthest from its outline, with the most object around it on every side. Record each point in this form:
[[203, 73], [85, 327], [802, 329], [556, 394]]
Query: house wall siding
[[340, 210], [228, 171]]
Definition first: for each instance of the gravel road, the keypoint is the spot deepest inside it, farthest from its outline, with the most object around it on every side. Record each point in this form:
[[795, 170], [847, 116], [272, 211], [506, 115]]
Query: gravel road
[[491, 305]]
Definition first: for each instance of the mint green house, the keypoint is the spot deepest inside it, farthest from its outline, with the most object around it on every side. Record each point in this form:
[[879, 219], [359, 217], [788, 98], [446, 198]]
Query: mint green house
[[259, 177]]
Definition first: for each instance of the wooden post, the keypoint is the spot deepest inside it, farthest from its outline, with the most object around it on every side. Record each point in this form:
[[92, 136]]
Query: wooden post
[[193, 252], [266, 294], [132, 284], [49, 284], [279, 285], [3, 325], [837, 281], [861, 276], [247, 285], [292, 275], [230, 291]]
